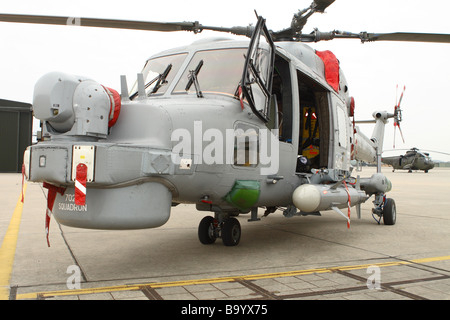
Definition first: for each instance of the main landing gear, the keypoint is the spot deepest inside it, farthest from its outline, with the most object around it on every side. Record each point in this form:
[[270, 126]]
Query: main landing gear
[[228, 229], [389, 212], [385, 208]]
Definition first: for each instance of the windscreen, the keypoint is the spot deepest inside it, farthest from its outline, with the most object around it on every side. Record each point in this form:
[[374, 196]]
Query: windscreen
[[218, 71], [159, 73]]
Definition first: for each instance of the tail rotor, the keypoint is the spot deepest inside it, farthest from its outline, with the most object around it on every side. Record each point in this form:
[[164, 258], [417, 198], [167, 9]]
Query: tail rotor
[[398, 116]]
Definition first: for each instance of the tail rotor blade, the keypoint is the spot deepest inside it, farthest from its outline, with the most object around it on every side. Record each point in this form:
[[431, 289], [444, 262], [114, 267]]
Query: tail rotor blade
[[395, 129], [401, 97], [401, 134]]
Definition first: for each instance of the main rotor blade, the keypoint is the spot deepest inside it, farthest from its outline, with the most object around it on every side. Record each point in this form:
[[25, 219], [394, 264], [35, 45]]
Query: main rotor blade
[[101, 23], [448, 154], [317, 36], [321, 5], [121, 24], [406, 36]]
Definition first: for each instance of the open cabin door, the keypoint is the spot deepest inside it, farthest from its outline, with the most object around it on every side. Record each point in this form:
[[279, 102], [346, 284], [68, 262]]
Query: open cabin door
[[342, 134], [256, 83]]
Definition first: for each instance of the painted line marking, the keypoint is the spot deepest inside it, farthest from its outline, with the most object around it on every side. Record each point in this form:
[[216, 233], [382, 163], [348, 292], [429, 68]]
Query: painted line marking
[[8, 248], [47, 294]]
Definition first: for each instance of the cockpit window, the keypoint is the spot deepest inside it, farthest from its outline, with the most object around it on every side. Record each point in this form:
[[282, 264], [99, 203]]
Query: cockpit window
[[216, 71], [159, 73]]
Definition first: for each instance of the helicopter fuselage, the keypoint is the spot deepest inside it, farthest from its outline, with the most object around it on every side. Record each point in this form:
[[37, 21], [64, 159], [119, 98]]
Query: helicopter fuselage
[[188, 136]]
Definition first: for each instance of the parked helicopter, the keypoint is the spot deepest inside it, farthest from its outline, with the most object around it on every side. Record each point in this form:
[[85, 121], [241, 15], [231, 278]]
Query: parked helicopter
[[413, 159], [228, 125]]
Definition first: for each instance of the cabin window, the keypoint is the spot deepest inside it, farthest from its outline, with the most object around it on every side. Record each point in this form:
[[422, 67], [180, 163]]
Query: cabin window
[[342, 127], [246, 144]]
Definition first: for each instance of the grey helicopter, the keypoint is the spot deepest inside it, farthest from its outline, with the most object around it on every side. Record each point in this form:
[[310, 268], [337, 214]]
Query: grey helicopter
[[229, 126]]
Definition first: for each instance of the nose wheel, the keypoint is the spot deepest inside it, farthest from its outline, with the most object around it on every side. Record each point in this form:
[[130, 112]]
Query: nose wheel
[[210, 229]]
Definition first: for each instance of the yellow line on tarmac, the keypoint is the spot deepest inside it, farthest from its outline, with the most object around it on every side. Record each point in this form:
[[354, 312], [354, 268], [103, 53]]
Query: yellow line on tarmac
[[35, 295], [425, 260], [8, 248]]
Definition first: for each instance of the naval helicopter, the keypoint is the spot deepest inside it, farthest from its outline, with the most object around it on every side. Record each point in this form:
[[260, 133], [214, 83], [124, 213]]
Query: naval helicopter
[[230, 126], [413, 159]]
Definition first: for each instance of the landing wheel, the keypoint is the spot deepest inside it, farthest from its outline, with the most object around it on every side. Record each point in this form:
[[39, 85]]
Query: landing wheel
[[389, 212], [207, 230], [231, 232]]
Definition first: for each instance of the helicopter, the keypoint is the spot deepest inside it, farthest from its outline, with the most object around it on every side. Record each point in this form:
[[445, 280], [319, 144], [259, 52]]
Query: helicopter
[[413, 159], [228, 125]]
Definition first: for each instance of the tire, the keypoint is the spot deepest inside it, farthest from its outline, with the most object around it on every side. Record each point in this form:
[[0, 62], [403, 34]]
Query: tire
[[389, 212], [206, 233], [231, 232]]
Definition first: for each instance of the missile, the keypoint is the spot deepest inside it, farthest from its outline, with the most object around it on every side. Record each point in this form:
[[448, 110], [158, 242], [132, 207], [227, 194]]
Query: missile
[[316, 197], [310, 198]]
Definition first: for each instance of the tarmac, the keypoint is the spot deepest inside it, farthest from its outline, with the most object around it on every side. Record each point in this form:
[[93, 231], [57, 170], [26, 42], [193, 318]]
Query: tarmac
[[278, 258]]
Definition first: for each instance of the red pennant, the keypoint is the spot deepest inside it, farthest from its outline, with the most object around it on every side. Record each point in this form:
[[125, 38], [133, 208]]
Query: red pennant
[[52, 190]]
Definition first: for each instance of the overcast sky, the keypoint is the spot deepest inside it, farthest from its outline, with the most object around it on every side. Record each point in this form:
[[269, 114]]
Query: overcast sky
[[373, 70]]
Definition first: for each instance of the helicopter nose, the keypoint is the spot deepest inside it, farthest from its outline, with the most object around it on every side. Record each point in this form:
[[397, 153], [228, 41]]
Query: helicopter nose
[[138, 206]]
